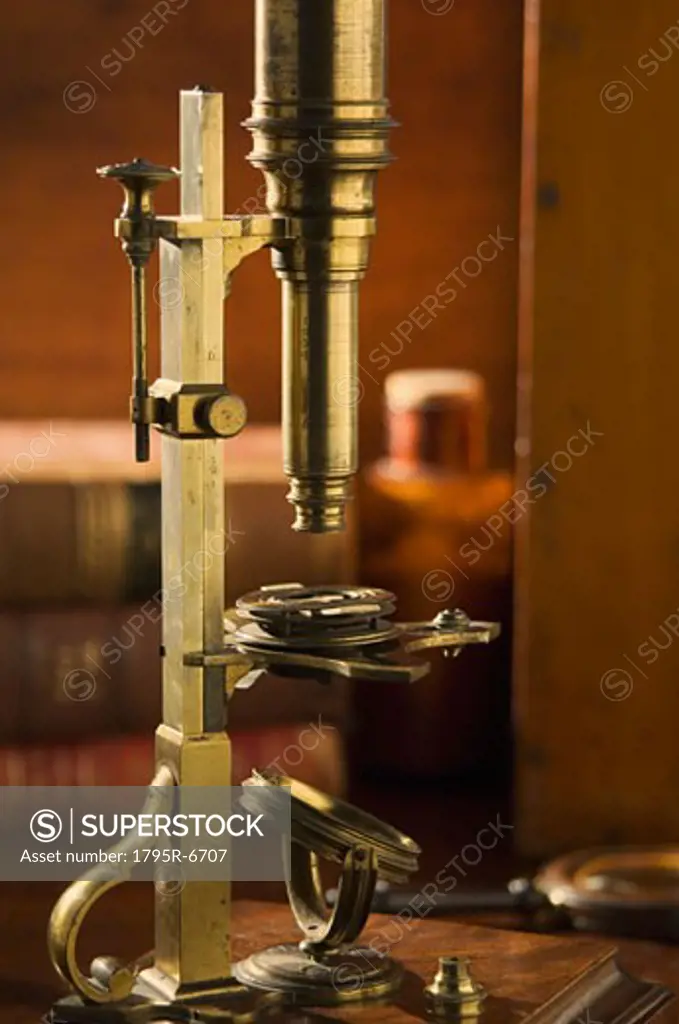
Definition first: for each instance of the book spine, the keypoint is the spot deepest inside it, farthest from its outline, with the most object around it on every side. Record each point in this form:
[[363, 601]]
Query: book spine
[[311, 755], [67, 543], [76, 674], [73, 542]]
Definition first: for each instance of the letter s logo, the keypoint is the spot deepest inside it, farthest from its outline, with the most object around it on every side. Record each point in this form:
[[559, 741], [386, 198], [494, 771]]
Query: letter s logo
[[46, 826]]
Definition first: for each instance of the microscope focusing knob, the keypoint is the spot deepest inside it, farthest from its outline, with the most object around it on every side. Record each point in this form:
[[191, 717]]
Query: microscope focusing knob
[[224, 415]]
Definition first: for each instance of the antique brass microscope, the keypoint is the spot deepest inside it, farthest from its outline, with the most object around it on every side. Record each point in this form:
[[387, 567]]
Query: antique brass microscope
[[320, 125]]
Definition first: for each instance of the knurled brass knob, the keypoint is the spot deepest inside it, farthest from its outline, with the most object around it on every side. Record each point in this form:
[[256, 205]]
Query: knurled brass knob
[[223, 415]]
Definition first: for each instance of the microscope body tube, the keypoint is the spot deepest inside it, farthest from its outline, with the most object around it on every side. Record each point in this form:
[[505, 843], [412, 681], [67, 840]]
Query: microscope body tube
[[320, 126]]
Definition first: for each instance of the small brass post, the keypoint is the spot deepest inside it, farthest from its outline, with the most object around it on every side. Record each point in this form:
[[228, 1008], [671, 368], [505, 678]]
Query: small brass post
[[454, 994]]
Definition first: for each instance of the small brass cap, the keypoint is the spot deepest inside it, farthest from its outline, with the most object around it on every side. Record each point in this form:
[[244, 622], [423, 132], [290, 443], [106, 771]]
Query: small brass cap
[[453, 994]]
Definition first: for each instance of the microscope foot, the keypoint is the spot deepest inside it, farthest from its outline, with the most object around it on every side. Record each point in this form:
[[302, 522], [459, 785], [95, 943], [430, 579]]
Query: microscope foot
[[350, 975], [240, 1006]]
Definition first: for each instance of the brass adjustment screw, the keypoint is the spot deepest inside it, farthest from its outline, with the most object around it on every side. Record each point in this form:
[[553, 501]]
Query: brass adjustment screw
[[451, 619], [453, 994]]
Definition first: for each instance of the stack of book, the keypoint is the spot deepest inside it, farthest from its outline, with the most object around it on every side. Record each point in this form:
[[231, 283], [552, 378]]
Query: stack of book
[[80, 604]]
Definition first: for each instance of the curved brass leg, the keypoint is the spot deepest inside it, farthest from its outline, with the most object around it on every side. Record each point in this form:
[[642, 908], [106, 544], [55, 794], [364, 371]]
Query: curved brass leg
[[110, 982]]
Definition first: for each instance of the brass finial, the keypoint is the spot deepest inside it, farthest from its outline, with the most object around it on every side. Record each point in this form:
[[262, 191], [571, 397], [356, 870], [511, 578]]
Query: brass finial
[[138, 179], [453, 994]]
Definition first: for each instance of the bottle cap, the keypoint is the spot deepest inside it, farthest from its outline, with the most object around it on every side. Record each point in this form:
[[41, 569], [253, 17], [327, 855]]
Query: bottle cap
[[437, 418]]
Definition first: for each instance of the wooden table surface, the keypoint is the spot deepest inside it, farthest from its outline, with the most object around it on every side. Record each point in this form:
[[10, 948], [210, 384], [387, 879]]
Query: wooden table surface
[[122, 926]]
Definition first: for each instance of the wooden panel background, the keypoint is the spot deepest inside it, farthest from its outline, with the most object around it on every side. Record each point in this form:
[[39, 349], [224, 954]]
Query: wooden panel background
[[597, 698], [455, 86]]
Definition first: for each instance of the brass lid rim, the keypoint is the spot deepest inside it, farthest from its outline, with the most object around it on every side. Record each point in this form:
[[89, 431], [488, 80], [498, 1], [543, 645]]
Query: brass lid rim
[[563, 880]]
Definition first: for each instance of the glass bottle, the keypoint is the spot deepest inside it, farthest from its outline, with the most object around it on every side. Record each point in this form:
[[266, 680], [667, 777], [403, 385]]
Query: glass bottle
[[435, 528]]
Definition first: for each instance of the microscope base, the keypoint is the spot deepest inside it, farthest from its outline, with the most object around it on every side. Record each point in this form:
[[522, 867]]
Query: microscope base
[[351, 975], [144, 1006], [570, 978]]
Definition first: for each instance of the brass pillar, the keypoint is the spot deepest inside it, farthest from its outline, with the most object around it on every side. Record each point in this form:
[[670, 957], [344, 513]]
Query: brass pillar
[[192, 925]]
